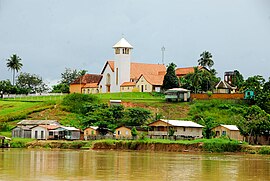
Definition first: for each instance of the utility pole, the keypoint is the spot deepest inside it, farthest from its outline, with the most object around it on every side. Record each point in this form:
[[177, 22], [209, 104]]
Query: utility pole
[[163, 50]]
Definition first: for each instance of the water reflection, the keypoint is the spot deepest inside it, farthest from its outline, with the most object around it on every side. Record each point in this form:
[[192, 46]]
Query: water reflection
[[24, 164]]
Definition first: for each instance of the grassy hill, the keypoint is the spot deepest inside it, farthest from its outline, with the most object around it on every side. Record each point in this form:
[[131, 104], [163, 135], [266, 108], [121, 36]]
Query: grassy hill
[[48, 107]]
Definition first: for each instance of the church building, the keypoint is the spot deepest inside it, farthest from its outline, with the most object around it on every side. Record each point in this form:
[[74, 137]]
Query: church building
[[122, 75]]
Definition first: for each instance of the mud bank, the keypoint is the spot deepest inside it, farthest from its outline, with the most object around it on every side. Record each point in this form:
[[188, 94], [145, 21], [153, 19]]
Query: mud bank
[[197, 147]]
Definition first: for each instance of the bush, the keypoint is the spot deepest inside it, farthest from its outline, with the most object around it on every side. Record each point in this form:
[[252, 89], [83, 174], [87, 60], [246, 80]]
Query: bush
[[76, 102], [264, 150]]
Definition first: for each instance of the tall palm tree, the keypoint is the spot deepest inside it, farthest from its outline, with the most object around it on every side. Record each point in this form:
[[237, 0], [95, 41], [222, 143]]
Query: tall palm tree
[[206, 59], [196, 78], [14, 63]]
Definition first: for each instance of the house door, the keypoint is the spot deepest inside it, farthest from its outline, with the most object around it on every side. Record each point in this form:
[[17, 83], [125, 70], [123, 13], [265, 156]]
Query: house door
[[36, 134], [108, 88], [142, 88]]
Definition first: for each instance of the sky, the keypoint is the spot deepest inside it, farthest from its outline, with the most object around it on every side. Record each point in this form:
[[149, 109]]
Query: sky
[[51, 35]]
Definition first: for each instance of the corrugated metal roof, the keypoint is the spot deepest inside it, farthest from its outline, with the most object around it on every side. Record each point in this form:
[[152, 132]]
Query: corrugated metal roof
[[182, 123], [230, 127], [70, 128], [38, 122]]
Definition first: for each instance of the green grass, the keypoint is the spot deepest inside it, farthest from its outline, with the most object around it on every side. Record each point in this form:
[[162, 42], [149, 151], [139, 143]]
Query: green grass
[[220, 111], [131, 96], [38, 98], [20, 142], [209, 145], [6, 133]]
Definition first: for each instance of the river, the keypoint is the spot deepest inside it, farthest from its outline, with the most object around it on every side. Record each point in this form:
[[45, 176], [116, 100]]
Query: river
[[34, 164]]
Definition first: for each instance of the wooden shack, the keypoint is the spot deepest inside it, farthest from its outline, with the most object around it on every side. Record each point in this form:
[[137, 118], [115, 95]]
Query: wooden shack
[[177, 94]]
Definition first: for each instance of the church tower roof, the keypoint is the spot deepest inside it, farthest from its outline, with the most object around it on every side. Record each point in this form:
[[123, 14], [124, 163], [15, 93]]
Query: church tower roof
[[123, 43]]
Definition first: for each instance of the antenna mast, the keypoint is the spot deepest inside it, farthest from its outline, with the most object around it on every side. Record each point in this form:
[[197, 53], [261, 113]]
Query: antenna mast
[[163, 50]]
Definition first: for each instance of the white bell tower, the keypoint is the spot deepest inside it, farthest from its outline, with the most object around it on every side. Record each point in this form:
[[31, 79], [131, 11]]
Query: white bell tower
[[122, 51]]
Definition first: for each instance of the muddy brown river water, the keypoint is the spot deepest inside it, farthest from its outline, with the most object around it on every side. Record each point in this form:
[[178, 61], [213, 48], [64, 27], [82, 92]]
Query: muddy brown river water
[[34, 164]]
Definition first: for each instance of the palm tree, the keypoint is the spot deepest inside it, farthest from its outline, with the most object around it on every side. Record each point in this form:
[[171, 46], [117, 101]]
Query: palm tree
[[196, 78], [14, 63], [206, 59]]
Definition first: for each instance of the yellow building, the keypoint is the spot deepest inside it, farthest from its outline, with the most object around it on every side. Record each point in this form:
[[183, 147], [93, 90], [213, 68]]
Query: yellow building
[[124, 132], [87, 84], [228, 130]]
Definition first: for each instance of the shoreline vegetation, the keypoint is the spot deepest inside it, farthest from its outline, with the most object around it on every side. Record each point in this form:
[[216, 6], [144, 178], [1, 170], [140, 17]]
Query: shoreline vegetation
[[193, 146]]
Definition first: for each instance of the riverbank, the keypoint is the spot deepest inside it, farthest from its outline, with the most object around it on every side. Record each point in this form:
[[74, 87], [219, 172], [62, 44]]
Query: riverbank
[[200, 145]]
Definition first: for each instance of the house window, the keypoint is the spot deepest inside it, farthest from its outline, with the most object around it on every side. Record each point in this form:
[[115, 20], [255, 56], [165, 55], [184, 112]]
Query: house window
[[119, 132], [128, 88], [86, 132], [126, 132], [50, 133], [224, 133], [88, 91], [145, 87], [184, 129]]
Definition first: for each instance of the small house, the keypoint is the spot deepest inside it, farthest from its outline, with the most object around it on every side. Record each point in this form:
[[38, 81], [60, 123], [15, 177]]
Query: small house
[[249, 94], [177, 94], [69, 133], [21, 132], [179, 128], [125, 131], [228, 130], [224, 88], [45, 132]]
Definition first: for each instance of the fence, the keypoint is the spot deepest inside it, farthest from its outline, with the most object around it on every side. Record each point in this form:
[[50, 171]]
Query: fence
[[217, 96]]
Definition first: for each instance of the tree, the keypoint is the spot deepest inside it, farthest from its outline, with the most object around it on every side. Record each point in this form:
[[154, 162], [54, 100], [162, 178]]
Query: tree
[[136, 116], [170, 78], [134, 132], [5, 87], [256, 122], [30, 83], [254, 83], [14, 63], [67, 77], [238, 79], [206, 59], [196, 78]]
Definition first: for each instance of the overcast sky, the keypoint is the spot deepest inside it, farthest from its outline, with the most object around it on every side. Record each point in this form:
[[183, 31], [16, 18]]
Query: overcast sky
[[50, 35]]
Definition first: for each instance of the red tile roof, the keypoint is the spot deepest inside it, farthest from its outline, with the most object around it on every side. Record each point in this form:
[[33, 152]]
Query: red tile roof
[[137, 69], [88, 78], [186, 70], [127, 84], [154, 79], [91, 85]]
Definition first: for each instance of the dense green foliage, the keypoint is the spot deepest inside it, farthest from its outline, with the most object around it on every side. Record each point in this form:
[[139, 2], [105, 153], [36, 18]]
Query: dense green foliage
[[199, 81], [30, 83], [93, 113], [170, 78], [76, 103]]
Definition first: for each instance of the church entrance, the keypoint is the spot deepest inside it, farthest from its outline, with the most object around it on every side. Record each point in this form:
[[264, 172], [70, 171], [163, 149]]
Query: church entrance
[[108, 88], [142, 88]]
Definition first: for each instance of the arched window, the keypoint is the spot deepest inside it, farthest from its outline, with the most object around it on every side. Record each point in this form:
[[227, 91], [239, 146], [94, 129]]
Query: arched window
[[116, 76]]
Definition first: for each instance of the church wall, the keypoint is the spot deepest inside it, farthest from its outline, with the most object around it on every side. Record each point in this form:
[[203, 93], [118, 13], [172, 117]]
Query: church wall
[[122, 62], [127, 89], [103, 80]]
